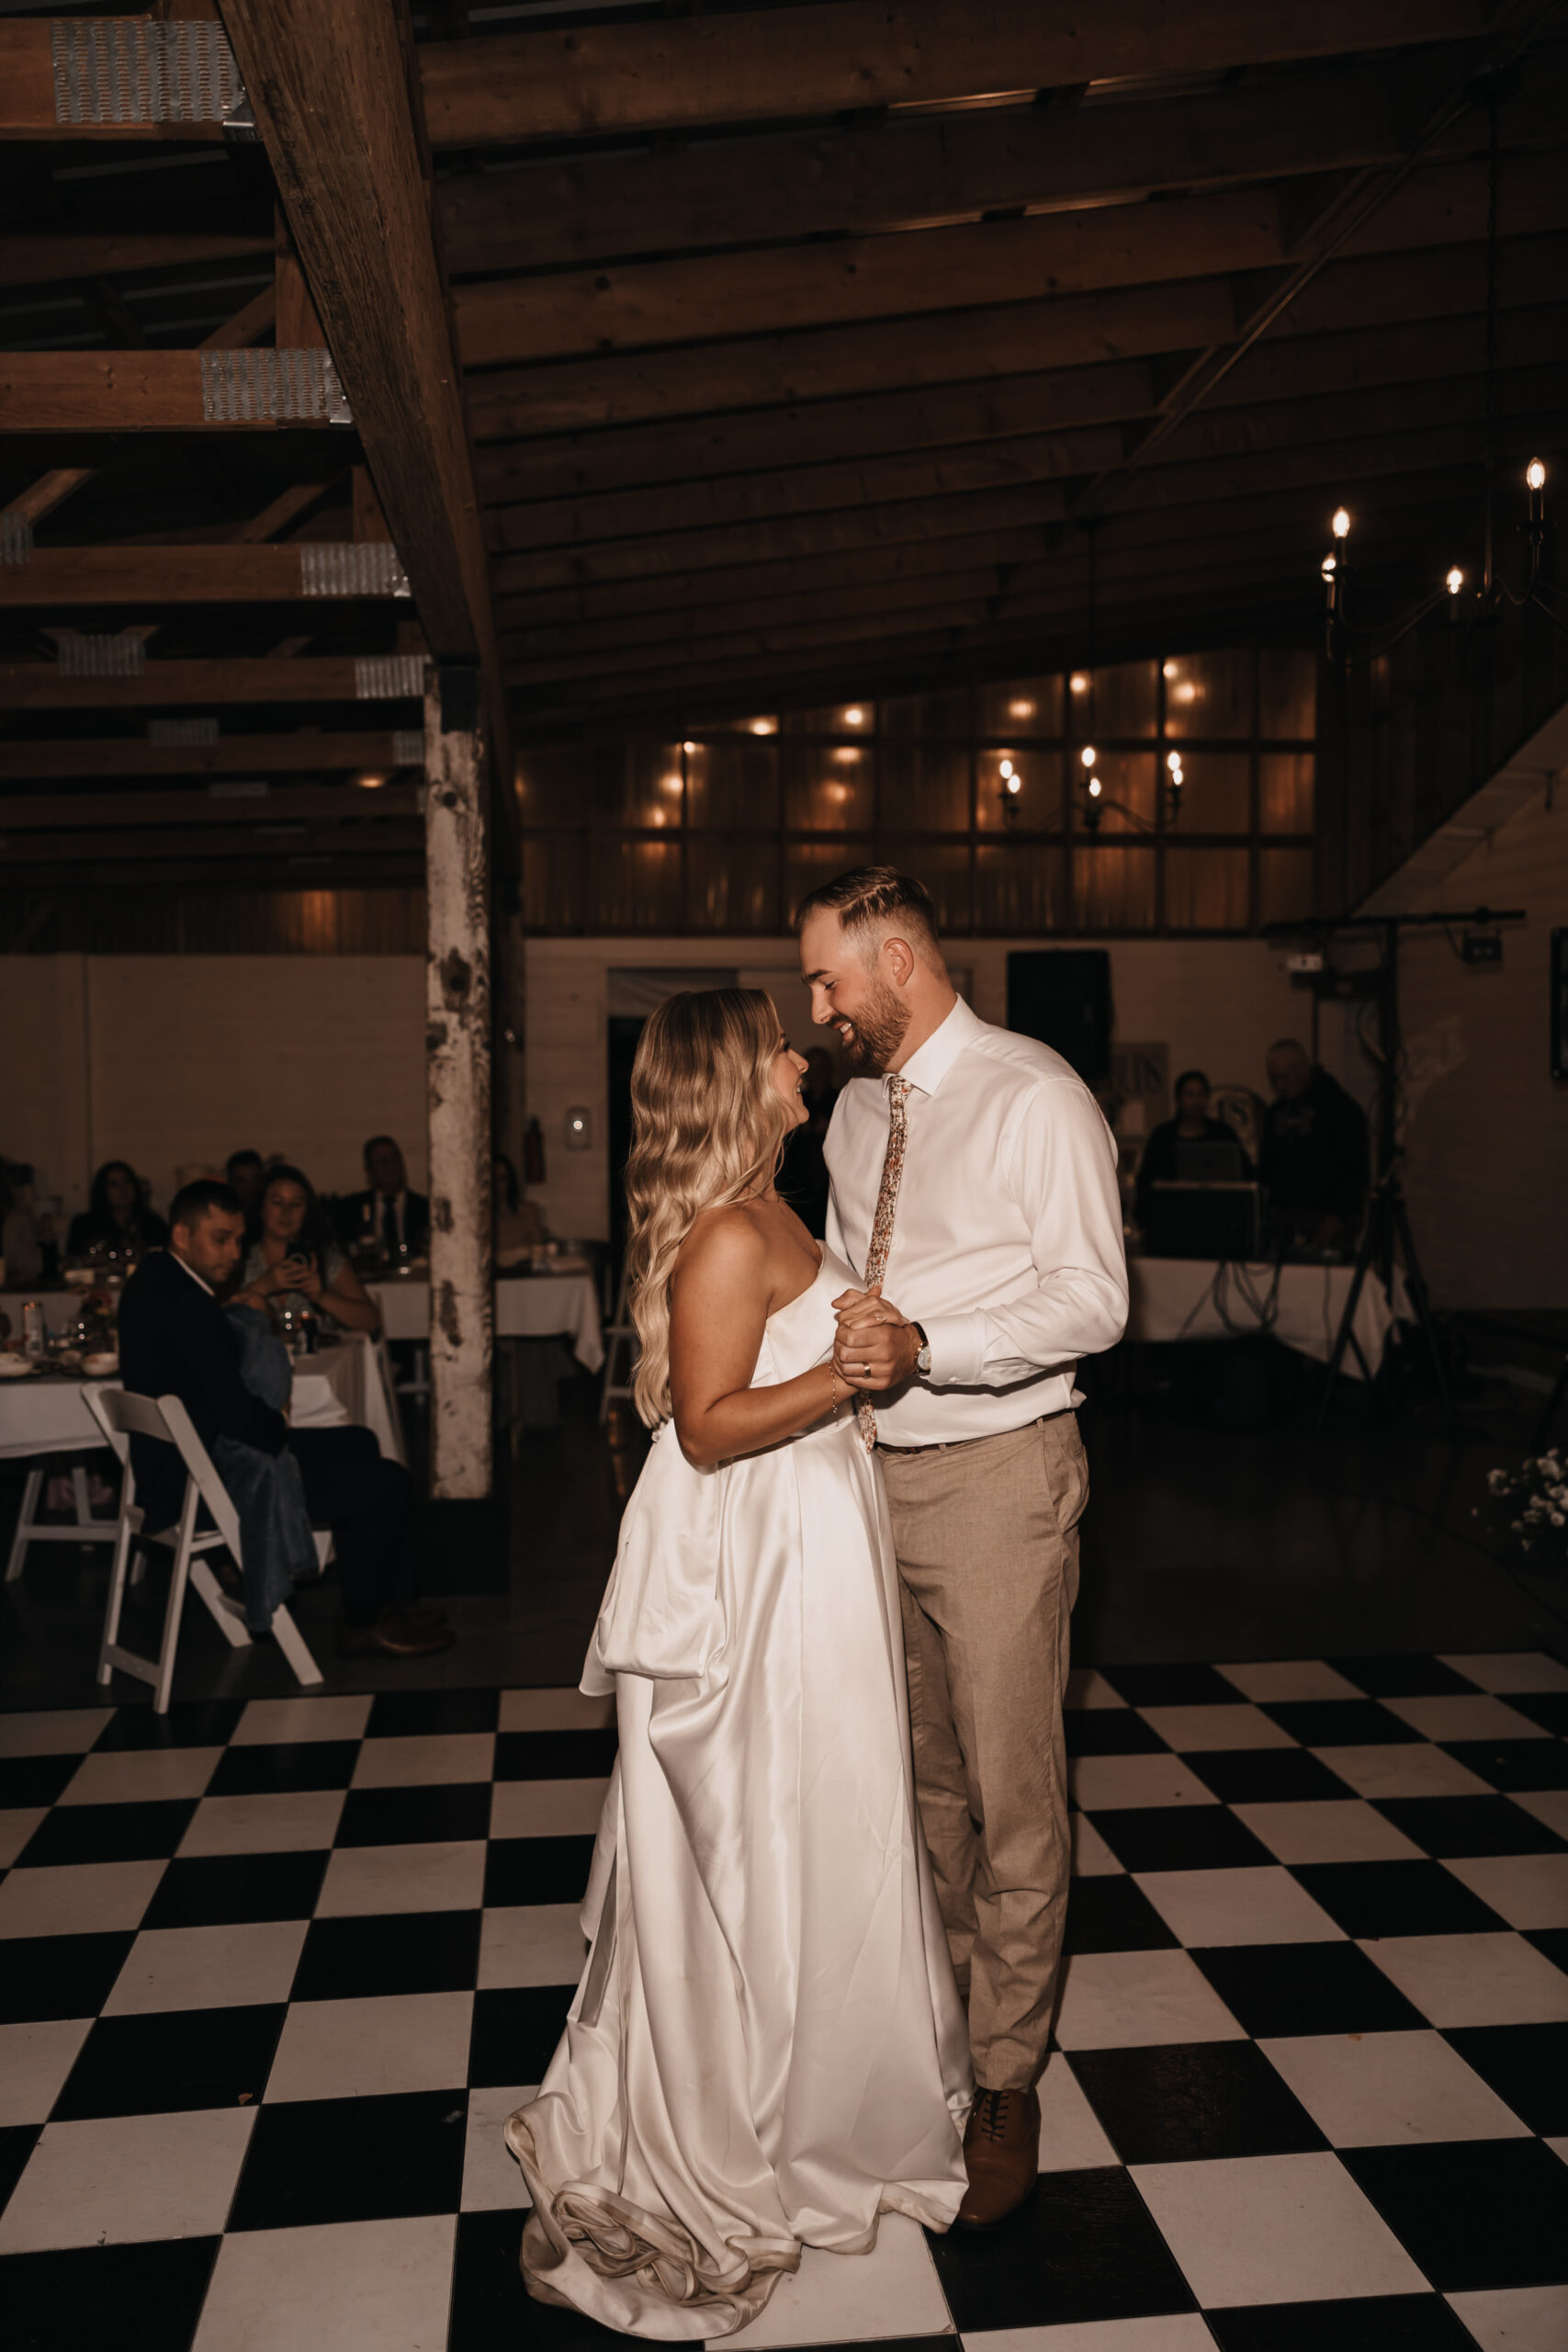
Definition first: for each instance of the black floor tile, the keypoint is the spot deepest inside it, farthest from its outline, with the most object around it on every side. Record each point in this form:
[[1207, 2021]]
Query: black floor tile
[[315, 2160], [18, 2142], [405, 1951], [414, 1816], [1366, 2324], [35, 1779], [1340, 1722], [1547, 1708], [1115, 1915], [1110, 1731], [515, 2032], [137, 2298], [1279, 1989], [1369, 1899], [273, 1767], [555, 1755], [1459, 1827], [189, 1723], [178, 2058], [401, 1714], [1194, 2100], [227, 1890], [490, 2306], [1179, 1838], [1527, 2065], [1264, 1775], [59, 1976], [1473, 2214], [1514, 1763], [1401, 1677], [1084, 2248], [1553, 1943], [109, 1833], [537, 1870], [1171, 1686]]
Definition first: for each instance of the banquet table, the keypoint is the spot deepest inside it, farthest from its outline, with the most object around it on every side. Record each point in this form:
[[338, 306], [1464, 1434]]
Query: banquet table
[[527, 1307], [1203, 1298]]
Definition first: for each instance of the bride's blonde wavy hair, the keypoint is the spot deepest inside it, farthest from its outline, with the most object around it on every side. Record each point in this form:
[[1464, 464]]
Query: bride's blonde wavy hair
[[707, 1128]]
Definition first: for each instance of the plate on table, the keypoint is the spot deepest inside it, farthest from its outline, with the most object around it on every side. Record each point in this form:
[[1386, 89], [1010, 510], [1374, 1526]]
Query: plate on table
[[81, 1277], [15, 1367], [100, 1365]]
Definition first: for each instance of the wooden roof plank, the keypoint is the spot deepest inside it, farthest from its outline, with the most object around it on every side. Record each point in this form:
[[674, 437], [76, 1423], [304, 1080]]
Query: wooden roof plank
[[57, 757]]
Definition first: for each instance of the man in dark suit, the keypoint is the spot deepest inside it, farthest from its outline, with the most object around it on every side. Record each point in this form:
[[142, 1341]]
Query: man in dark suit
[[386, 1212], [175, 1341]]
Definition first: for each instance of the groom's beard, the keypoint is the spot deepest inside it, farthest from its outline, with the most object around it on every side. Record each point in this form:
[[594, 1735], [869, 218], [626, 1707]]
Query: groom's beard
[[877, 1029]]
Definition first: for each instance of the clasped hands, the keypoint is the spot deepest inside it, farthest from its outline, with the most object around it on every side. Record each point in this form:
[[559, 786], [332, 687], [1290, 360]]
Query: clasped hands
[[875, 1348]]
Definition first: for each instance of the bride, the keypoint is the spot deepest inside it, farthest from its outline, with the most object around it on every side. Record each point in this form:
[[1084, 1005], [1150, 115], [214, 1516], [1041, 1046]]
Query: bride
[[767, 2049]]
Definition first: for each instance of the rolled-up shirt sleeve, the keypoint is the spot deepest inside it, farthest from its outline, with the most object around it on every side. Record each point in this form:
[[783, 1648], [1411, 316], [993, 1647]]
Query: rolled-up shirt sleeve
[[1060, 1168]]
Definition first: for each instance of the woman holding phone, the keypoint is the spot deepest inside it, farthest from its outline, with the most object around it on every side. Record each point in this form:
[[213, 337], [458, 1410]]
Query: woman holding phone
[[296, 1257]]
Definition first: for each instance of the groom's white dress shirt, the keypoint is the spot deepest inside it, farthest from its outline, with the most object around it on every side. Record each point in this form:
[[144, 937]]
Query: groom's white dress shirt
[[1007, 1236]]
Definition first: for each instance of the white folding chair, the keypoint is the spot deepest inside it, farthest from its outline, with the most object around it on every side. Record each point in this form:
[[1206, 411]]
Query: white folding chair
[[120, 1417]]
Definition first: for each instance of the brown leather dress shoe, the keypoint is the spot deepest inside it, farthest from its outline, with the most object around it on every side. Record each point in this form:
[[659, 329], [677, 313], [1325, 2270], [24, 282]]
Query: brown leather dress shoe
[[1001, 2150], [395, 1634]]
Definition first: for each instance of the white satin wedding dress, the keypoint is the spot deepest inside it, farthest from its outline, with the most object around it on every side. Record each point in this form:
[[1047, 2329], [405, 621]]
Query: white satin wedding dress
[[767, 2049]]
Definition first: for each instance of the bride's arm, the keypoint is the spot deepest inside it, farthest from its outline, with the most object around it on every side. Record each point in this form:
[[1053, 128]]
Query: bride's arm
[[718, 1307]]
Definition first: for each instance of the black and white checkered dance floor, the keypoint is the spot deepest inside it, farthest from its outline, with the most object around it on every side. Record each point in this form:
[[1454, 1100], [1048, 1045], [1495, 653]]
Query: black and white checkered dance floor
[[275, 1973]]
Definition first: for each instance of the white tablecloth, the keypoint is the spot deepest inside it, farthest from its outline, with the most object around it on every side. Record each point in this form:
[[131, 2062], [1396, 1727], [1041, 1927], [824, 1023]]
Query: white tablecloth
[[527, 1307], [1182, 1298], [49, 1415]]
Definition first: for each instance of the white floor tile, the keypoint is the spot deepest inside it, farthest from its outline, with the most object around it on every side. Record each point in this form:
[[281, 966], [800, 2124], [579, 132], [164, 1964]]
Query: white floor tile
[[1514, 2319], [141, 1775], [417, 1763], [34, 2062], [402, 2041], [60, 1730], [352, 2287], [1511, 1670], [1087, 1688], [447, 1875], [546, 1808], [1257, 1904], [555, 1710], [1170, 2332], [1527, 1890], [1130, 2000], [1275, 2230], [1071, 2136], [850, 2298], [1547, 1805], [1404, 1769], [77, 1898], [531, 1943], [1092, 1858], [1390, 2089], [267, 1722], [291, 1822], [1276, 1681], [124, 2178], [1101, 1783], [208, 1968], [1473, 1980], [16, 1825], [1193, 1730], [492, 2178], [1455, 1715], [1324, 1829]]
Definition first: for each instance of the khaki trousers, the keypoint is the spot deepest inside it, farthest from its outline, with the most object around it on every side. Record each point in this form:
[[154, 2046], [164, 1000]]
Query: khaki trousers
[[987, 1539]]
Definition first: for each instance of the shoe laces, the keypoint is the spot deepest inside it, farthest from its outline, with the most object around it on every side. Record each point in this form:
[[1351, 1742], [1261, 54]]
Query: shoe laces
[[991, 2113]]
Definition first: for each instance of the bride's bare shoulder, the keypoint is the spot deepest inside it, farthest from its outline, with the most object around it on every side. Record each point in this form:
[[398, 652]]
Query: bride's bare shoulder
[[724, 1245]]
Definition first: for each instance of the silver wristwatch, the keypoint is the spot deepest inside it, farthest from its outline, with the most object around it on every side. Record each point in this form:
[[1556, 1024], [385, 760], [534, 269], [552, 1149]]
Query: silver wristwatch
[[924, 1361]]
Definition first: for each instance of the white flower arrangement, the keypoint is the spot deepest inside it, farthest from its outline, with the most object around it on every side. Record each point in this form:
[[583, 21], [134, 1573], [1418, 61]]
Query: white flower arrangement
[[1535, 1498]]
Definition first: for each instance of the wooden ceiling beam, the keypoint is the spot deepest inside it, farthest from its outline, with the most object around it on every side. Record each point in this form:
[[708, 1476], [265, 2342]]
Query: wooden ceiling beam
[[43, 686], [65, 254], [759, 65], [300, 803], [231, 574], [120, 392], [324, 869], [308, 753], [271, 837]]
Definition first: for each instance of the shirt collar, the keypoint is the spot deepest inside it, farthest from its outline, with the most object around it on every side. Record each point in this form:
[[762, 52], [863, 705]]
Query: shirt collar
[[195, 1278], [930, 1063]]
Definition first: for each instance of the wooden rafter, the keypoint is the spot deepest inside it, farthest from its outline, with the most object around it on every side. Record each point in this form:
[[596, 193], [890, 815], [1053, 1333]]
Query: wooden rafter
[[306, 753], [42, 685], [236, 574]]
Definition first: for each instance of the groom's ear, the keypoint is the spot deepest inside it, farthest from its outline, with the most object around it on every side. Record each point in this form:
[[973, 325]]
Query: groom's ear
[[900, 960]]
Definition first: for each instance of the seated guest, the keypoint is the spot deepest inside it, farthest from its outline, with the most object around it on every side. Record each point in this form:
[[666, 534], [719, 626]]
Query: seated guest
[[176, 1340], [518, 1225], [244, 1172], [116, 1214], [386, 1213], [21, 1234], [1313, 1161], [1193, 1123], [295, 1258]]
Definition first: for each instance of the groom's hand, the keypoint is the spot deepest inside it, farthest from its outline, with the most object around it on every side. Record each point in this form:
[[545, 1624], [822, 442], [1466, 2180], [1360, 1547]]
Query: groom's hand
[[876, 1347]]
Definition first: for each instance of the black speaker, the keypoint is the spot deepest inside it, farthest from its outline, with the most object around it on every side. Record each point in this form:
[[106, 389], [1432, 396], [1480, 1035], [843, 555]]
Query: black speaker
[[1062, 995]]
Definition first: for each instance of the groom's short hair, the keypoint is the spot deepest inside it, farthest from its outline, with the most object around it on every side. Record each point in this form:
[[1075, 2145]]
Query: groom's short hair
[[872, 900]]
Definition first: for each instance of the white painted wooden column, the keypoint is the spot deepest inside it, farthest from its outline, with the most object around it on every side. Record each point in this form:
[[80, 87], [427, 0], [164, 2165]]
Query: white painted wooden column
[[458, 1077]]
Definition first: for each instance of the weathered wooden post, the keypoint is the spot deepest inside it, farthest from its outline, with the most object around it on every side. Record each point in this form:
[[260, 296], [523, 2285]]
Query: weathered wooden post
[[458, 1077]]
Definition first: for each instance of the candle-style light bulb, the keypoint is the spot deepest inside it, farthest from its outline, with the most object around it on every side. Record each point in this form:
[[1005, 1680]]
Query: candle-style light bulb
[[1535, 474], [1341, 524], [1094, 787], [1454, 579], [1088, 755], [1330, 566], [1173, 762]]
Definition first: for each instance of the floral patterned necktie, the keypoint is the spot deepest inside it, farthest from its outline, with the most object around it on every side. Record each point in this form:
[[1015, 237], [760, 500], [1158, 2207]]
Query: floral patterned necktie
[[882, 1223]]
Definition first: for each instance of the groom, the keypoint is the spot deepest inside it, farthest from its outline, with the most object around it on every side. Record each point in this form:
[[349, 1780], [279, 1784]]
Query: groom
[[973, 1181]]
